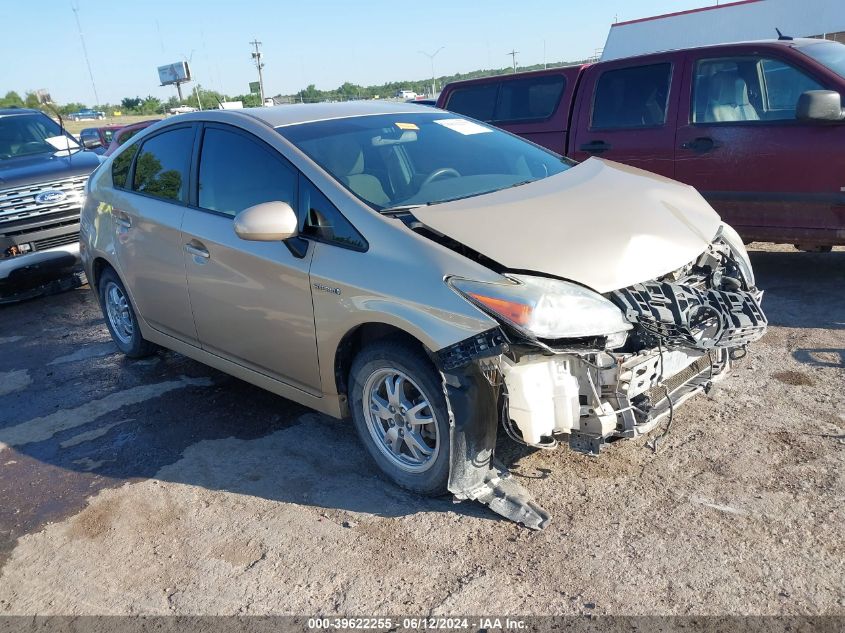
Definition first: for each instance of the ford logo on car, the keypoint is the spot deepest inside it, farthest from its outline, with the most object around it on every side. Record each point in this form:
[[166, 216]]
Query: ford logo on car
[[50, 197]]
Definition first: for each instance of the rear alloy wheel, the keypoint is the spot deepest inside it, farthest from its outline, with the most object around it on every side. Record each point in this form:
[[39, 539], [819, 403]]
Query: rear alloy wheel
[[400, 415], [120, 317]]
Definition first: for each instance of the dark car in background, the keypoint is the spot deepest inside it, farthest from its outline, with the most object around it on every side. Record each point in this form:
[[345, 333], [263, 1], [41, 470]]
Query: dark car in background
[[757, 127], [43, 171], [97, 139]]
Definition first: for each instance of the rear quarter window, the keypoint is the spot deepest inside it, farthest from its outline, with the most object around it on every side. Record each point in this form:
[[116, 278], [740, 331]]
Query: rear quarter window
[[120, 166]]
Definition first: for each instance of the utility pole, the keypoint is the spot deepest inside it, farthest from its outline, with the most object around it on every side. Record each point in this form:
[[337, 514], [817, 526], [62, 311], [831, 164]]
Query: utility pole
[[431, 57], [256, 56], [513, 55], [75, 9]]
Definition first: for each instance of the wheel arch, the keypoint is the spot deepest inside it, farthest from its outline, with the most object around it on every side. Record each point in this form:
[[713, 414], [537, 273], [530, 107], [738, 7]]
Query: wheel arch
[[97, 267], [354, 341]]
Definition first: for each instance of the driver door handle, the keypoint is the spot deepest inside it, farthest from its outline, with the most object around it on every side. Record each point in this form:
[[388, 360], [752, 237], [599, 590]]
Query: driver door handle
[[121, 218], [701, 144], [197, 250], [595, 147]]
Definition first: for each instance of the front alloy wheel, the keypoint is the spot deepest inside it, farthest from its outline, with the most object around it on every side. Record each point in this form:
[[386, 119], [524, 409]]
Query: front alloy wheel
[[401, 421], [397, 403]]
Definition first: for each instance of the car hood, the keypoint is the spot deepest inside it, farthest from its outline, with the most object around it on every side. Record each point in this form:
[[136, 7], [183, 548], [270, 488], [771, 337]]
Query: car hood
[[601, 224], [27, 170]]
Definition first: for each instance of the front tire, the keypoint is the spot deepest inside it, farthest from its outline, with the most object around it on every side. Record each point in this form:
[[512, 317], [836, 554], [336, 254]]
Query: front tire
[[120, 317], [400, 414]]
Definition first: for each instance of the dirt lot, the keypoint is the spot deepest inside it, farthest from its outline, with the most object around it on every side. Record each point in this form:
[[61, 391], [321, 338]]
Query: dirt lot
[[162, 486]]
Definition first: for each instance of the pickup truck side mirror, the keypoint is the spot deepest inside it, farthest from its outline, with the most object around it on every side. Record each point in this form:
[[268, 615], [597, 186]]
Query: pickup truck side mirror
[[267, 222], [820, 105], [91, 143]]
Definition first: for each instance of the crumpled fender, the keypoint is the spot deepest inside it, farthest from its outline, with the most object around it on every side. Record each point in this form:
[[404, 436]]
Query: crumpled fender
[[474, 473]]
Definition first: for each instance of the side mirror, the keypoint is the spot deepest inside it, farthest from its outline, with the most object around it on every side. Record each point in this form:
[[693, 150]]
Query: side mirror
[[267, 222], [91, 143], [820, 105]]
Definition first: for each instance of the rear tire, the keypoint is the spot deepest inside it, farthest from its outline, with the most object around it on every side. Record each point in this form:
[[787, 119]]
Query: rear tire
[[120, 317], [399, 410]]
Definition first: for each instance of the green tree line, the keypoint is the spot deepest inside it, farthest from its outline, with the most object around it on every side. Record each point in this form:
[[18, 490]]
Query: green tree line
[[349, 91], [200, 97]]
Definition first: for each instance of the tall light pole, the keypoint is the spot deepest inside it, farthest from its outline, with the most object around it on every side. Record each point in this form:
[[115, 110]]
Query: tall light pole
[[431, 57], [256, 56], [75, 9]]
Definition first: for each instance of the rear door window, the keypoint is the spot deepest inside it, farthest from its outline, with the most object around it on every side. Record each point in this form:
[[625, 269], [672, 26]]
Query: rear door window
[[236, 173], [634, 97], [163, 165]]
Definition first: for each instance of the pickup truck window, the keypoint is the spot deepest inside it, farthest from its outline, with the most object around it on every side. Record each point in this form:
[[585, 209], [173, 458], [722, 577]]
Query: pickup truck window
[[526, 100], [742, 89], [477, 101], [529, 99], [633, 97]]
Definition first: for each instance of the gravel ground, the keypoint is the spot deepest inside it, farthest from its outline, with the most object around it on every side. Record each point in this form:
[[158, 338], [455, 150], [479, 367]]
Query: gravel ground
[[162, 486]]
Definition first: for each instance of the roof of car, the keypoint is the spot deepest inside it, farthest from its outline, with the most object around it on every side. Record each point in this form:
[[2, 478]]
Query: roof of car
[[797, 42], [5, 111], [306, 112]]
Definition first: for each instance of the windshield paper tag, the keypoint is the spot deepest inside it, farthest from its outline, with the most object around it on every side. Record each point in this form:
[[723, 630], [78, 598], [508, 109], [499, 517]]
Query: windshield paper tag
[[407, 126], [463, 126], [61, 143]]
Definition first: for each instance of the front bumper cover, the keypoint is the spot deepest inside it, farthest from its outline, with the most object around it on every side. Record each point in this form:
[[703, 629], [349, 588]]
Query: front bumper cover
[[44, 272]]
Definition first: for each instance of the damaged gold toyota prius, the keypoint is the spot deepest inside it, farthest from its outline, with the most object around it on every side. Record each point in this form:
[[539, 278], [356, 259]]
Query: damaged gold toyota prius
[[426, 275]]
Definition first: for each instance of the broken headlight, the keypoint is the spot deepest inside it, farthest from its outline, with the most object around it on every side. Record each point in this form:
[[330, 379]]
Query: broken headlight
[[730, 237], [547, 308]]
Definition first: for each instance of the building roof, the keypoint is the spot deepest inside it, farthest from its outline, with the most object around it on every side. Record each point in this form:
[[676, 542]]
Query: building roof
[[687, 12], [742, 21]]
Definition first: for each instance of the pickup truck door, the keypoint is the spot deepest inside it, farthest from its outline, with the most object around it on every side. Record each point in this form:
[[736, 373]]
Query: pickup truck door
[[627, 112], [768, 174]]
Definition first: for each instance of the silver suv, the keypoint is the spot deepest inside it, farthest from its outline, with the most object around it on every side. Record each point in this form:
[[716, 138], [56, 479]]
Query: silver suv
[[427, 275]]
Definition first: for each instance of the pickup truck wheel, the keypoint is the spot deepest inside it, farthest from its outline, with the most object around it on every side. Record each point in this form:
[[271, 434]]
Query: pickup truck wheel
[[120, 317], [400, 415]]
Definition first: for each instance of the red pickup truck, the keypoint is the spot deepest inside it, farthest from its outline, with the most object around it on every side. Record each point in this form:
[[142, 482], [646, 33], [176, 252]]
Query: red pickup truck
[[757, 127]]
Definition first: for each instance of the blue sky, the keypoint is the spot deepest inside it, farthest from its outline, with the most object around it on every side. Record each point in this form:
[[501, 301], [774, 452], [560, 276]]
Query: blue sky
[[309, 41]]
